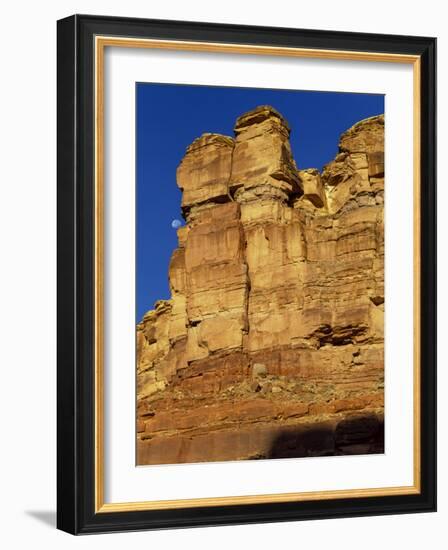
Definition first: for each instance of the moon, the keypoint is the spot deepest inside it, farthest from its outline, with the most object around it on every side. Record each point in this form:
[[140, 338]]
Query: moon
[[175, 224]]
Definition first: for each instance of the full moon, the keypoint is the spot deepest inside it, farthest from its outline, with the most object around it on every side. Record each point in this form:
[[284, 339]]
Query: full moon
[[175, 224]]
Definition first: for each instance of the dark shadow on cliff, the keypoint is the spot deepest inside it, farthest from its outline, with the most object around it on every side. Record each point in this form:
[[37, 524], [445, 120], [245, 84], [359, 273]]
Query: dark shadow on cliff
[[351, 436]]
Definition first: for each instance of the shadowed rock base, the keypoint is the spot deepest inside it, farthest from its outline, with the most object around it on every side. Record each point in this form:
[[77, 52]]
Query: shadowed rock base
[[353, 436]]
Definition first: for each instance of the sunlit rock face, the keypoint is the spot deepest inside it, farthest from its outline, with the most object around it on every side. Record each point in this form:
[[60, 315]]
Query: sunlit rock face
[[272, 343]]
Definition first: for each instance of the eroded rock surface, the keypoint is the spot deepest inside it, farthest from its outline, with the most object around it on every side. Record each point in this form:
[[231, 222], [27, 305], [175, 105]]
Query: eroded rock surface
[[272, 343]]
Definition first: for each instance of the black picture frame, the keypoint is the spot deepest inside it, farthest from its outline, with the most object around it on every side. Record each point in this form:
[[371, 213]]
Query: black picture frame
[[76, 512]]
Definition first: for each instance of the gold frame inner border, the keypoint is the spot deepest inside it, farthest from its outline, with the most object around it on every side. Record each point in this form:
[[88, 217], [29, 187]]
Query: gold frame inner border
[[101, 42]]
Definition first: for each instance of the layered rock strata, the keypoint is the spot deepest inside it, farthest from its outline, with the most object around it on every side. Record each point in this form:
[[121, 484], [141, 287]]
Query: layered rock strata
[[272, 343]]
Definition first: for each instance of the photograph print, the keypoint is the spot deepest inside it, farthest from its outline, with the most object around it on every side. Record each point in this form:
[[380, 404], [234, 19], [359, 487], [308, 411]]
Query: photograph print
[[260, 274]]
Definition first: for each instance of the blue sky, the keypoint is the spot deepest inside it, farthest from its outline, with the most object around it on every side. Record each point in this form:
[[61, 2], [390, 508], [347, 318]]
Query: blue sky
[[170, 116]]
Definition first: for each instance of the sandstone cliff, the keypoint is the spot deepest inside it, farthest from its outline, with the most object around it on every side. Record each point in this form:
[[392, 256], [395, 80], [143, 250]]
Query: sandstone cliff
[[272, 342]]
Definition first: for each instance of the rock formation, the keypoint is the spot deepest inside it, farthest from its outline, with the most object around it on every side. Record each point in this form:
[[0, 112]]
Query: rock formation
[[272, 342]]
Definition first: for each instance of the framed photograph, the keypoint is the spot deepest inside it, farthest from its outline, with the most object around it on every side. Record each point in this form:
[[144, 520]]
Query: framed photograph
[[246, 274]]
